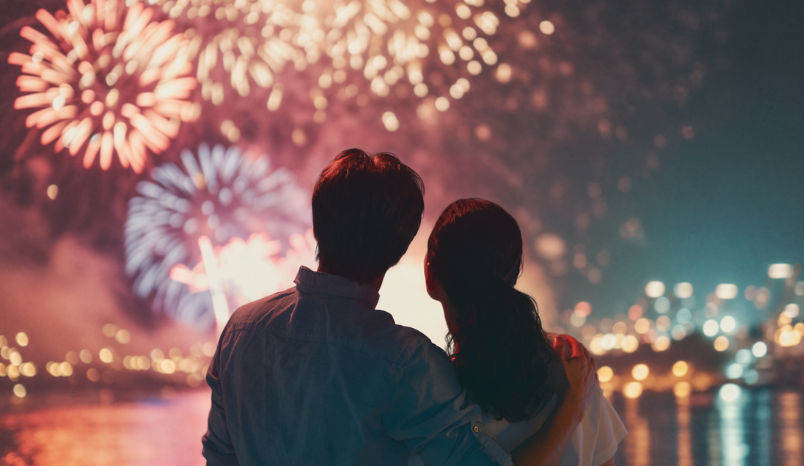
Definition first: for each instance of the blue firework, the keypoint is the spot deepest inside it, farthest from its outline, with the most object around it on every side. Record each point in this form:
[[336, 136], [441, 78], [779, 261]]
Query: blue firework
[[217, 192]]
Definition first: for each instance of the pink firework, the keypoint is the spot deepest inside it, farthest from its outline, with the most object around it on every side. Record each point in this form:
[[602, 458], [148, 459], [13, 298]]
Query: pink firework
[[107, 80]]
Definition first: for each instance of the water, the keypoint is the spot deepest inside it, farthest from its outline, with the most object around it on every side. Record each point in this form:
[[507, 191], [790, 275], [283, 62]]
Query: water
[[763, 427]]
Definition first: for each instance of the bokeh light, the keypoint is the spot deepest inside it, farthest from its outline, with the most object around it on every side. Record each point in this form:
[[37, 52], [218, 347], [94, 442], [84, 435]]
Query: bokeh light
[[682, 389], [632, 390], [680, 368], [726, 291], [640, 372], [605, 374], [654, 289], [728, 324], [710, 328], [19, 390], [734, 371], [730, 392], [683, 290], [780, 270], [721, 343]]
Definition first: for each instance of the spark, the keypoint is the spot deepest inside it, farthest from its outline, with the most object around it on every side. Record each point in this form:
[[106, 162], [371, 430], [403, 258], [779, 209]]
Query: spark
[[107, 80], [218, 193]]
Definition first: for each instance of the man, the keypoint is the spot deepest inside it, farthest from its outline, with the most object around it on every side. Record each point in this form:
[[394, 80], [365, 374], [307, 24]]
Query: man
[[315, 375]]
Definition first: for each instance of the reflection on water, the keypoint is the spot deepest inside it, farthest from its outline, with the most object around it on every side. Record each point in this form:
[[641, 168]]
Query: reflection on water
[[153, 432], [684, 435], [732, 433], [761, 427], [763, 417], [789, 409], [637, 443]]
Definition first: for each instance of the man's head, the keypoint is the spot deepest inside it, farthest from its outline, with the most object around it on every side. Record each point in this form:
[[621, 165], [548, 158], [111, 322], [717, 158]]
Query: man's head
[[366, 211]]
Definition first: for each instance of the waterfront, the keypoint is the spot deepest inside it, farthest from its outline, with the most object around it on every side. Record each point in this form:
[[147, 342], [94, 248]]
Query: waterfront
[[761, 427]]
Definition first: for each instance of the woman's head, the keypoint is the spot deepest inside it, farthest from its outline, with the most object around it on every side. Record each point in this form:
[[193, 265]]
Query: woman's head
[[496, 339]]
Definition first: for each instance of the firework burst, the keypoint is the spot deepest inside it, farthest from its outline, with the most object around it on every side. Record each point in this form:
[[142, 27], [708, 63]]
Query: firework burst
[[218, 194], [343, 49], [238, 45], [107, 80], [433, 48]]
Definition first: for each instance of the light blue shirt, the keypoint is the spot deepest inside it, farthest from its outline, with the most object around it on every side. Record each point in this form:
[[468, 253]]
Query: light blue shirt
[[316, 375]]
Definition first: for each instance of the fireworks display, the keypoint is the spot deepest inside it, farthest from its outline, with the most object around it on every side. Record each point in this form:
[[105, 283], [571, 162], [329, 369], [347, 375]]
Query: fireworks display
[[107, 81], [219, 194], [349, 50]]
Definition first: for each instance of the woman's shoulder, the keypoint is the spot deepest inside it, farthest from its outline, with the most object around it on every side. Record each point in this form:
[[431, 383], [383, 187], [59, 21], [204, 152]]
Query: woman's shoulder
[[511, 434]]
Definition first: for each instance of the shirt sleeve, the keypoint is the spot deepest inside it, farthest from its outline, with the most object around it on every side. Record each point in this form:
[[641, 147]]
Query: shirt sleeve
[[610, 431], [431, 415], [218, 448]]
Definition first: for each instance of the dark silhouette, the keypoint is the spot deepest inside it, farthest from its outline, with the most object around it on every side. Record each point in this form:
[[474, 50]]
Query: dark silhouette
[[496, 340]]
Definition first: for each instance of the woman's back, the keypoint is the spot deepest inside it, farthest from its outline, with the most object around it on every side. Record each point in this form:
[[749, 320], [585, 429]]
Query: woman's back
[[497, 344]]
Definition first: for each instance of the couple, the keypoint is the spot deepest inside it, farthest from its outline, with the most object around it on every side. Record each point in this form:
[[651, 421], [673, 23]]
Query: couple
[[315, 375]]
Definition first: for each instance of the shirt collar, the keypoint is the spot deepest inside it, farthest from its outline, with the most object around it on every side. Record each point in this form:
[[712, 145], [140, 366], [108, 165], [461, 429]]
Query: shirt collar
[[308, 281]]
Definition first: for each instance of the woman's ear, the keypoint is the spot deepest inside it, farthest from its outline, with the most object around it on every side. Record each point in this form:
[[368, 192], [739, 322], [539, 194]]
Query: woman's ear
[[429, 279]]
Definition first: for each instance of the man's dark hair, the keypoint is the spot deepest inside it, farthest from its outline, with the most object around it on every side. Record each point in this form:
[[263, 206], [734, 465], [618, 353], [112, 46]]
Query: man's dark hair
[[366, 211]]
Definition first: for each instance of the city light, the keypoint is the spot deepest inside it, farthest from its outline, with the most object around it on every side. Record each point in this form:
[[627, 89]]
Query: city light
[[683, 290], [734, 371], [662, 343], [779, 271], [744, 356], [630, 344], [642, 325], [605, 374], [19, 390], [760, 349], [654, 289], [662, 304], [632, 390], [640, 372], [728, 324], [721, 343], [682, 389], [680, 368], [710, 328], [730, 392], [726, 291]]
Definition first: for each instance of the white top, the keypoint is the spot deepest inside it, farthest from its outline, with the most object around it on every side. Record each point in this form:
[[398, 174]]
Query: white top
[[594, 442]]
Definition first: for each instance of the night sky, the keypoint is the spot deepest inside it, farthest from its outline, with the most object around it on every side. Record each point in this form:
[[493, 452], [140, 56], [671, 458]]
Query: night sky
[[729, 203]]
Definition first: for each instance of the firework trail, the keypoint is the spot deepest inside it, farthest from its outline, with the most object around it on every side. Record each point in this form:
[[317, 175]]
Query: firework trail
[[252, 268], [108, 80], [220, 194]]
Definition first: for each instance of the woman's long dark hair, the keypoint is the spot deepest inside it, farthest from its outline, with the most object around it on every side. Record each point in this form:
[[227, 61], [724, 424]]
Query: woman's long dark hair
[[497, 343]]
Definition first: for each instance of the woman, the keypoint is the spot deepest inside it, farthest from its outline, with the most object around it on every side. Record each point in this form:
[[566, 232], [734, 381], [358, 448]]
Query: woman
[[503, 358]]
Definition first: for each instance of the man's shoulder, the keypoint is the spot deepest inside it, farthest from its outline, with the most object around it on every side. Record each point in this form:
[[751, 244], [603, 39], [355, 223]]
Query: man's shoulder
[[252, 313], [397, 343], [373, 333]]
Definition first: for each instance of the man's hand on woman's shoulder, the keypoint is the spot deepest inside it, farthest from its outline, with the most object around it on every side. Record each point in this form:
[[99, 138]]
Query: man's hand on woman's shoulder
[[578, 379]]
